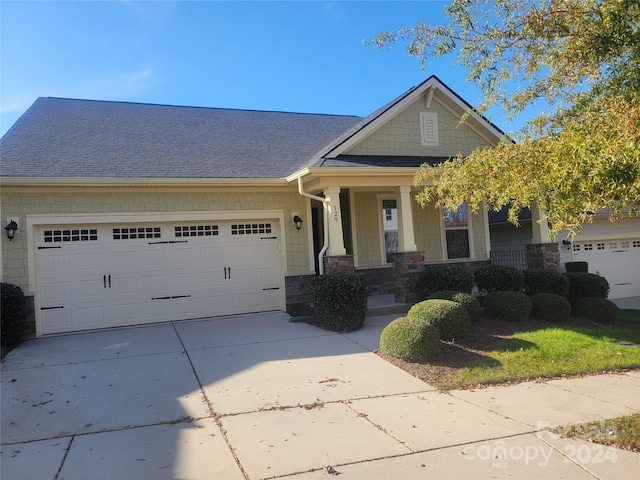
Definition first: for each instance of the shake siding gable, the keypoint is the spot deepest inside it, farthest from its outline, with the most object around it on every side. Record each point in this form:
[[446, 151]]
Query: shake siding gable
[[401, 135]]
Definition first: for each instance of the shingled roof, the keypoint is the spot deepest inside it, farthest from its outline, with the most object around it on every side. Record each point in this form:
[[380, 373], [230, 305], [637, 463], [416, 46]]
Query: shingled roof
[[64, 138]]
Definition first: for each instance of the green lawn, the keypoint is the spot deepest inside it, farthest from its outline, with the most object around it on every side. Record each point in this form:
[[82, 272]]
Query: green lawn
[[552, 352]]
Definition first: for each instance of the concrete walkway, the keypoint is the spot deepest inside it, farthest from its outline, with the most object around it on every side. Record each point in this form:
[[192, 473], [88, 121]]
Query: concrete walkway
[[256, 397]]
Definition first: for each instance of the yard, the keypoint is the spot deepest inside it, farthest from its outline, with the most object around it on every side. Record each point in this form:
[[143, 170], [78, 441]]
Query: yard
[[500, 352]]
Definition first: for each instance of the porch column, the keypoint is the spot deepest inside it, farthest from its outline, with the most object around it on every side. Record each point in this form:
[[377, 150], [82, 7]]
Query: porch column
[[406, 237], [539, 226], [542, 253], [336, 238]]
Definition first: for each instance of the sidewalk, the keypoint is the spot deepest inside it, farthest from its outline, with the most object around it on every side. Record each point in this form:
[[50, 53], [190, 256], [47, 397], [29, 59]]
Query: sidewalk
[[257, 397]]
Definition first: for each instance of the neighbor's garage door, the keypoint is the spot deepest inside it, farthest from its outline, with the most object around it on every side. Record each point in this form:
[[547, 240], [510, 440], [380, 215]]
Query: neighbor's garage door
[[616, 260], [113, 275]]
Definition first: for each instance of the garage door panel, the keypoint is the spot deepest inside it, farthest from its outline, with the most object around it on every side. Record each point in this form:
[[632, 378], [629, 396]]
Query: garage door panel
[[125, 313], [616, 260], [116, 281], [84, 317], [59, 320], [50, 264], [89, 262], [53, 291], [265, 276], [88, 288], [268, 299]]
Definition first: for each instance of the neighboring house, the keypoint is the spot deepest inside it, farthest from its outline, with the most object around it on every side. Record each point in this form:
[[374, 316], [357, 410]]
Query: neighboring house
[[611, 249], [134, 213]]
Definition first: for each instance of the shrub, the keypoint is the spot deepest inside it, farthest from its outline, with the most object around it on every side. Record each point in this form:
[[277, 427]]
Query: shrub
[[410, 338], [545, 281], [436, 278], [467, 300], [340, 301], [571, 267], [12, 314], [598, 309], [583, 285], [450, 318], [510, 306], [550, 307], [499, 278]]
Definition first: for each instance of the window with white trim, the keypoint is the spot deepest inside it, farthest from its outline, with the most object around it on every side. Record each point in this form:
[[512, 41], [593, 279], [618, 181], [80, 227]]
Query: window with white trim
[[456, 229], [429, 129], [390, 225]]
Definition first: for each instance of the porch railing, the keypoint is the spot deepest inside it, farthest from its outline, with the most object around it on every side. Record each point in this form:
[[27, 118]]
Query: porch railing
[[510, 258]]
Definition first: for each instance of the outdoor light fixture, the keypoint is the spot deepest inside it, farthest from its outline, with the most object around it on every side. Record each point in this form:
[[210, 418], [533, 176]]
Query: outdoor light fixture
[[11, 228], [567, 244], [298, 221]]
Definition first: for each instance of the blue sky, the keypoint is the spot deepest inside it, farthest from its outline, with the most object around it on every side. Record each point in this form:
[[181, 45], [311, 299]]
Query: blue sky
[[297, 56]]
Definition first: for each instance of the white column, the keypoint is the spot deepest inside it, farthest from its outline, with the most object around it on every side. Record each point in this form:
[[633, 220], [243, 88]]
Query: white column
[[336, 238], [539, 226], [406, 237]]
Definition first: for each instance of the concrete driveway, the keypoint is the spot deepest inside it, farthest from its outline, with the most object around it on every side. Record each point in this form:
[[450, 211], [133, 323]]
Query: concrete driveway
[[257, 396]]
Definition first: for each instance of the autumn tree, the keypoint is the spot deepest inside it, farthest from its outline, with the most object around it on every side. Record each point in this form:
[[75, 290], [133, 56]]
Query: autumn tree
[[581, 57]]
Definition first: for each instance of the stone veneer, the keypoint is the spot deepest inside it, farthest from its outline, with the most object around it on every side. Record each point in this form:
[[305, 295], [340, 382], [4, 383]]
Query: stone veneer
[[338, 264], [407, 266], [543, 256]]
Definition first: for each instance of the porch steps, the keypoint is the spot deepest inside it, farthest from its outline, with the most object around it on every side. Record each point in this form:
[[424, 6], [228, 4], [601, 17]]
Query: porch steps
[[385, 305]]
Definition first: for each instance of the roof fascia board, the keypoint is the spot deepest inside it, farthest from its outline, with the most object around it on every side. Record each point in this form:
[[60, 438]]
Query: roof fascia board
[[141, 182]]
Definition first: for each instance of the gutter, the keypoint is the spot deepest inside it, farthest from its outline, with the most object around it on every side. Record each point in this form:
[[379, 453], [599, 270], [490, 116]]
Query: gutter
[[325, 210]]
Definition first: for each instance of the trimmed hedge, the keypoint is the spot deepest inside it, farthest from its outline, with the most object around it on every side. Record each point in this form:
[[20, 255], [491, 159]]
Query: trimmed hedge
[[545, 281], [450, 318], [550, 307], [410, 338], [598, 310], [340, 301], [510, 306], [12, 314], [571, 267], [436, 278], [586, 285], [499, 278], [467, 300]]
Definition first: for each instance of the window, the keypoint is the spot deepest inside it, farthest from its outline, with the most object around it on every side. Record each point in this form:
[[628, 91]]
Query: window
[[456, 229], [196, 231], [429, 129], [71, 235], [250, 228], [390, 226], [136, 233]]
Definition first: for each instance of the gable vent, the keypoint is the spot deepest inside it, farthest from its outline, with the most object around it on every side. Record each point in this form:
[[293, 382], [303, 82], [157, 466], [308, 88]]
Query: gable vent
[[429, 129]]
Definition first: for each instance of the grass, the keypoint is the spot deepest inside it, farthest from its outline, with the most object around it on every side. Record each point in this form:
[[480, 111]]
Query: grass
[[621, 432], [552, 352], [628, 315]]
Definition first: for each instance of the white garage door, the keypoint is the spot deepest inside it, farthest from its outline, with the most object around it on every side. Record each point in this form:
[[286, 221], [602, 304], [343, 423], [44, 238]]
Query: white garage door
[[114, 275], [616, 260]]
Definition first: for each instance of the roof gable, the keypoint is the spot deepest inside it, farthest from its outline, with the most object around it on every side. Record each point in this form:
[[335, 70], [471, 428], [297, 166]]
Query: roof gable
[[430, 96]]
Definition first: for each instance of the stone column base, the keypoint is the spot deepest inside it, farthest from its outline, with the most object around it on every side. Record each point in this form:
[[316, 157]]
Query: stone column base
[[338, 264], [543, 256], [407, 266]]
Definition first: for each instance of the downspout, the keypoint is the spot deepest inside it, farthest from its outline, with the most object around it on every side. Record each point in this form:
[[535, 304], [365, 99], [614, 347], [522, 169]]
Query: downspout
[[325, 223]]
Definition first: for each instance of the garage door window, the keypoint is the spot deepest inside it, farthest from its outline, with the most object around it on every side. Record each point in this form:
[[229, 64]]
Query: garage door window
[[136, 233], [250, 228], [196, 231], [79, 235]]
